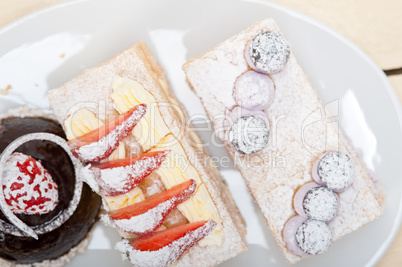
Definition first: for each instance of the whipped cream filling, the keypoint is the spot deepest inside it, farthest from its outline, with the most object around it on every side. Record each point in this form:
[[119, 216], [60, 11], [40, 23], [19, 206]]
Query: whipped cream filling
[[176, 168]]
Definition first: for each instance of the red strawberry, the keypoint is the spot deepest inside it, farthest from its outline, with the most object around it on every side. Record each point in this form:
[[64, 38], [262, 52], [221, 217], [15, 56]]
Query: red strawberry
[[148, 215], [27, 186], [119, 176], [100, 143], [163, 248]]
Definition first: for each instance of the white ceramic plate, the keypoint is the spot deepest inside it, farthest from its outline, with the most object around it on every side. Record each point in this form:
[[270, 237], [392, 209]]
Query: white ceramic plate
[[48, 48]]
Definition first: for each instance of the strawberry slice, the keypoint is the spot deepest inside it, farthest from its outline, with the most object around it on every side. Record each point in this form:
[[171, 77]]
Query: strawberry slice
[[160, 239], [28, 187], [148, 215], [119, 176], [163, 248], [100, 143]]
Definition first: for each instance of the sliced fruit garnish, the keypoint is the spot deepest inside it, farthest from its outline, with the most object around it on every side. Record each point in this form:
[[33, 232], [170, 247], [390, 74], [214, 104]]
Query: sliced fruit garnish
[[158, 240], [163, 248], [100, 143], [28, 188], [146, 216], [84, 121], [119, 176]]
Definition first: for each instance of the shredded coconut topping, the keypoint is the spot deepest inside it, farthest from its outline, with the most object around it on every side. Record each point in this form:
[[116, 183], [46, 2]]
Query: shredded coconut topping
[[336, 170], [320, 203], [166, 255], [249, 134], [314, 237], [269, 52]]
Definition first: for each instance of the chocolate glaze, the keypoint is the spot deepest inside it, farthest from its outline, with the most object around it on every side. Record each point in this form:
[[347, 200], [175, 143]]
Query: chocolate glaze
[[59, 241]]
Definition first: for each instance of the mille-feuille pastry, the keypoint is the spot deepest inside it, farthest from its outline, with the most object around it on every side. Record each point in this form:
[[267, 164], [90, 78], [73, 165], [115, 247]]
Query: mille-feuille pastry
[[40, 188], [310, 184], [124, 122]]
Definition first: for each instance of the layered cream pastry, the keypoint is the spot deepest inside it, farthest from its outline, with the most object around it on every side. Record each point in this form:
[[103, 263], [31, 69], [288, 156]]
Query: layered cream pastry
[[123, 121], [265, 110]]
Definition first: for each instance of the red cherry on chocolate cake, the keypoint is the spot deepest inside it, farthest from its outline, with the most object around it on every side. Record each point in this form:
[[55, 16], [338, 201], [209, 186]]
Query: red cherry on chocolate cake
[[28, 187]]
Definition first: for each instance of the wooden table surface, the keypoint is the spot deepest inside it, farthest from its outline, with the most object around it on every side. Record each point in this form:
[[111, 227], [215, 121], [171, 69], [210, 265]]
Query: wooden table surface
[[375, 26]]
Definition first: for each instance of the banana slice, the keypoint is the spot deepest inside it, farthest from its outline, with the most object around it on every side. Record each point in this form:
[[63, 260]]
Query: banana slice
[[131, 197], [177, 169], [84, 121], [152, 133], [128, 93]]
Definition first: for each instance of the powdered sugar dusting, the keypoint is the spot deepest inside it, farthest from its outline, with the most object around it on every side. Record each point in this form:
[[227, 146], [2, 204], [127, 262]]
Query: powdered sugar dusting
[[104, 147], [268, 52], [314, 237], [336, 170], [118, 179], [27, 186], [89, 177], [249, 134], [94, 85], [320, 203], [146, 222], [213, 75], [153, 218], [106, 219], [254, 91], [19, 228], [168, 254]]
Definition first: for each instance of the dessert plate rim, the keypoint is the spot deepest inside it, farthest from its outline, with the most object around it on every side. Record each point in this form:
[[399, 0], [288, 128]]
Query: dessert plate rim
[[396, 107]]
